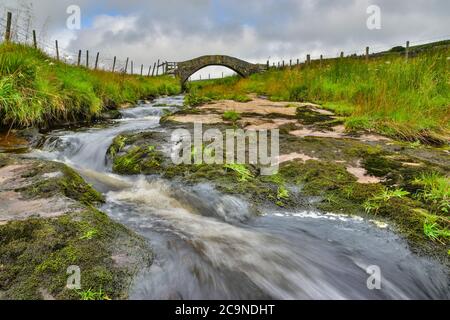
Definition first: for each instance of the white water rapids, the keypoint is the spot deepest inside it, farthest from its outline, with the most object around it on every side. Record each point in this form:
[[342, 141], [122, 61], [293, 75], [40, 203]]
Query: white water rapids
[[210, 245]]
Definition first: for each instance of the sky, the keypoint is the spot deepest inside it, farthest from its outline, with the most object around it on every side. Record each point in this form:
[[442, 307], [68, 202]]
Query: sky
[[253, 30]]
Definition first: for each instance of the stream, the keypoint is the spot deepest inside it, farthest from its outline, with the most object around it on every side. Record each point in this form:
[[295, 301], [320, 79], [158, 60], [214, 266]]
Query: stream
[[210, 245]]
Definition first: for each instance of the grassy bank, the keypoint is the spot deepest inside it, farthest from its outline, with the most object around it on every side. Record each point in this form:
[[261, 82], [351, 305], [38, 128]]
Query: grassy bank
[[37, 90], [408, 100]]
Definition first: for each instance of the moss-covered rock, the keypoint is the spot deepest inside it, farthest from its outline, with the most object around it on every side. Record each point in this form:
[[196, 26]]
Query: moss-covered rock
[[37, 247], [131, 155], [35, 255], [63, 180]]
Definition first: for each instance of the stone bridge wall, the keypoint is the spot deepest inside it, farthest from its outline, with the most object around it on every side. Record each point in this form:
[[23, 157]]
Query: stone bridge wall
[[187, 68]]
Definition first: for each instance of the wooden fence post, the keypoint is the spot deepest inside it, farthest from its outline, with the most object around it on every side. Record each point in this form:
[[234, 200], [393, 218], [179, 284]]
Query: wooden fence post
[[321, 59], [298, 61], [283, 64], [367, 54], [8, 27], [34, 39], [268, 66], [87, 58], [407, 51], [114, 64], [157, 68], [308, 59], [57, 50], [126, 66], [96, 61], [132, 71], [342, 54], [290, 62], [142, 69], [79, 58], [149, 69], [153, 70]]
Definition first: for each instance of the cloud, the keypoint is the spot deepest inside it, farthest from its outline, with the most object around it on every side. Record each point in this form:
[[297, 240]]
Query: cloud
[[252, 29]]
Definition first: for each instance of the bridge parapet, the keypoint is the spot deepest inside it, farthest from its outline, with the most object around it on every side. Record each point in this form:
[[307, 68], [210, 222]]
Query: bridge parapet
[[187, 68]]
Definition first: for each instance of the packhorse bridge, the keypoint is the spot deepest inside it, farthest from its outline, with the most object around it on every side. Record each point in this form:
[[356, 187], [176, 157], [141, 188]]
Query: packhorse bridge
[[183, 70]]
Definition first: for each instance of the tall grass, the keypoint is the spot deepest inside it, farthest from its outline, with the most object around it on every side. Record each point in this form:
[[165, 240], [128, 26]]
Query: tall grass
[[410, 99], [37, 90]]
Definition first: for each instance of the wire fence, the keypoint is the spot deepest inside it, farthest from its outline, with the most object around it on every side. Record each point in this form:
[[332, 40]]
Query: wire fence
[[13, 29], [407, 49]]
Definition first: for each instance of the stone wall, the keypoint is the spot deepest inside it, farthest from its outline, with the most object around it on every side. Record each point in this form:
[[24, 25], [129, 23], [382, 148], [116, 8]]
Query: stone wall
[[186, 68]]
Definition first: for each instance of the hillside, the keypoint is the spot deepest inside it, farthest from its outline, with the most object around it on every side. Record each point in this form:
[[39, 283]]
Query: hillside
[[403, 99], [37, 90]]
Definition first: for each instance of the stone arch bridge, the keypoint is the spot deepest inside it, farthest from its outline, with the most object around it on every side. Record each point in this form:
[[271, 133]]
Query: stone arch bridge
[[183, 70]]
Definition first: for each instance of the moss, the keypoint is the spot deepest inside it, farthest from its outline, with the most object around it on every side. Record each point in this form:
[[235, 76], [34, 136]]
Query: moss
[[35, 255], [4, 160], [308, 116], [231, 115], [138, 159], [317, 176], [409, 217], [117, 145], [390, 167], [338, 189], [67, 182], [254, 187], [76, 188]]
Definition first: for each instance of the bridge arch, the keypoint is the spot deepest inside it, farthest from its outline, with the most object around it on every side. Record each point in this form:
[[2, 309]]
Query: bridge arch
[[187, 68]]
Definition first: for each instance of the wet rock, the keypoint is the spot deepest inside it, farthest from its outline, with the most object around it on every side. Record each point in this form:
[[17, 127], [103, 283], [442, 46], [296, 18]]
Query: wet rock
[[48, 222], [110, 115]]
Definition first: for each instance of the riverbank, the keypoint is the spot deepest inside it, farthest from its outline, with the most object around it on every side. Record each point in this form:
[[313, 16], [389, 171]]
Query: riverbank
[[48, 222], [397, 184], [227, 232], [406, 100], [36, 90]]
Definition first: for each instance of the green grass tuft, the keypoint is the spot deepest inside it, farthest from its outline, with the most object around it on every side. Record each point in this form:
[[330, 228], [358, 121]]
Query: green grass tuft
[[37, 90], [231, 115], [435, 189], [241, 170]]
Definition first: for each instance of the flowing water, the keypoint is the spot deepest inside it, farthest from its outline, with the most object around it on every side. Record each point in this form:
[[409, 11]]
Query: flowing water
[[210, 245]]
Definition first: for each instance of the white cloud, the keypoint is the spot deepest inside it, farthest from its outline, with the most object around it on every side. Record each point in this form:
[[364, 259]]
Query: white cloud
[[252, 29]]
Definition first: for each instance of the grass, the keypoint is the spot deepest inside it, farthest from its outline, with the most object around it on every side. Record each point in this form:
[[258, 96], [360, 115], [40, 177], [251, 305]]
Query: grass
[[220, 89], [241, 170], [434, 232], [231, 115], [374, 203], [407, 100], [435, 190], [93, 295], [37, 90], [89, 234]]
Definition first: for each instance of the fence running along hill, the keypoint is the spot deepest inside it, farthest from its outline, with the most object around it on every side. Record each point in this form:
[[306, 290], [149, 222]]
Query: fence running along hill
[[12, 29]]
